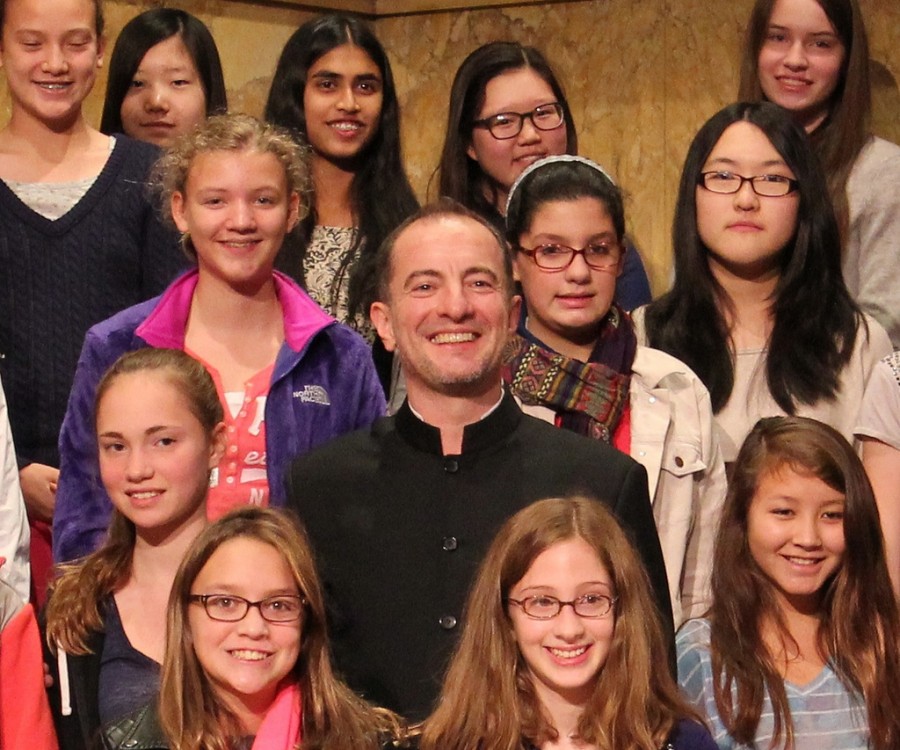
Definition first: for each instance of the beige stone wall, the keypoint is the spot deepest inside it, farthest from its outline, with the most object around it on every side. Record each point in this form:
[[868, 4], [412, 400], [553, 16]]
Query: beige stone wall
[[641, 76]]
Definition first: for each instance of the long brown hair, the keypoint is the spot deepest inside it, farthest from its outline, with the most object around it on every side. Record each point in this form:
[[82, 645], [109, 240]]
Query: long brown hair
[[860, 625], [191, 713], [488, 701], [846, 129], [77, 594]]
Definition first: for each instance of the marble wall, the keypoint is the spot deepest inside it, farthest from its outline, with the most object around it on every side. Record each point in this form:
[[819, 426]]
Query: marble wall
[[641, 76]]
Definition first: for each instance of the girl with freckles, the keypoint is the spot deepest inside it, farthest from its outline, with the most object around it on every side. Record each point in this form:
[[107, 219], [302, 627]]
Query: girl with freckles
[[160, 434], [562, 646], [289, 375], [759, 308], [799, 650]]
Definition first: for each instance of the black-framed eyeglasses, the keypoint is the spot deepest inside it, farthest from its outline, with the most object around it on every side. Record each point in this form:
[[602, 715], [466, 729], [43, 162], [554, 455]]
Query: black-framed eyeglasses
[[600, 256], [766, 185], [231, 608], [509, 124], [592, 606]]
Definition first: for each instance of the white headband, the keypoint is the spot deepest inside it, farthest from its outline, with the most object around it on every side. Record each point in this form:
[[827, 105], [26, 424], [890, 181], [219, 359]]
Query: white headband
[[552, 160]]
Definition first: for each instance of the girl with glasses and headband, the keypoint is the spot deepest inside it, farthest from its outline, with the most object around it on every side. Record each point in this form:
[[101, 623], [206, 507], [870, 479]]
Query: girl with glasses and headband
[[759, 309], [160, 434], [575, 361], [562, 646], [811, 57], [507, 110], [247, 660], [799, 650]]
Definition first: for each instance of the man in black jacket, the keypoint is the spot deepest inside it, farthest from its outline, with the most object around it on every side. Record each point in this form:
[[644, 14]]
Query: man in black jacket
[[400, 514]]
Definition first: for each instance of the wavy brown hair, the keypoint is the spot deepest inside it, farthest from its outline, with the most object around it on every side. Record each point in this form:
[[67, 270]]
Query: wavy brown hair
[[194, 717], [77, 594], [846, 129], [488, 701], [860, 625]]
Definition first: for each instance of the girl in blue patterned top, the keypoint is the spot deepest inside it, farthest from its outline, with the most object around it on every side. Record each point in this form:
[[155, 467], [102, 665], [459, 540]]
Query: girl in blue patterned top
[[799, 649]]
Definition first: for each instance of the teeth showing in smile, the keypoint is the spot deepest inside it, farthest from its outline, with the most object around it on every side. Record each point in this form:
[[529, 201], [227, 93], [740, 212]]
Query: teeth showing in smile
[[247, 655], [568, 653], [346, 126], [53, 86], [143, 495], [802, 560], [452, 338]]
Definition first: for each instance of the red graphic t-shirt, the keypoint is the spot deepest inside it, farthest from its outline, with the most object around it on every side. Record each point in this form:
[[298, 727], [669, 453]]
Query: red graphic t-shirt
[[241, 477]]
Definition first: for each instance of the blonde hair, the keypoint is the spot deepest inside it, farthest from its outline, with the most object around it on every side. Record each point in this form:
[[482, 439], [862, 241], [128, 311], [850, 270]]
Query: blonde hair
[[231, 133], [192, 715], [488, 701]]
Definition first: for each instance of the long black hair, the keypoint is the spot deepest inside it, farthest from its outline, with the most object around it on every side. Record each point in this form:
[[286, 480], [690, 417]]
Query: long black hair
[[135, 40], [461, 177], [814, 318], [381, 195]]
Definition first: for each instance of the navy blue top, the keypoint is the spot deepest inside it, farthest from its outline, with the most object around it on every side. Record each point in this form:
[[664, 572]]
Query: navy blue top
[[128, 678], [689, 735]]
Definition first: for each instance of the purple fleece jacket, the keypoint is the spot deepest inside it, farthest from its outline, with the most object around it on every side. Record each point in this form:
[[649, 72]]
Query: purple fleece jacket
[[324, 384]]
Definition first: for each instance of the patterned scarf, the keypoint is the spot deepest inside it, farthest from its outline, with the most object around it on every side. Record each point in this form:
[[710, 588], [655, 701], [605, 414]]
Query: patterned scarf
[[589, 397]]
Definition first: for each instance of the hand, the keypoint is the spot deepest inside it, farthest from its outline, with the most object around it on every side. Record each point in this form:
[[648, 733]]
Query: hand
[[39, 483]]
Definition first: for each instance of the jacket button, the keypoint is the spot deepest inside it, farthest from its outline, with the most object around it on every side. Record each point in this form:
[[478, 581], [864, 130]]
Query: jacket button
[[450, 543], [679, 461], [447, 622], [451, 465]]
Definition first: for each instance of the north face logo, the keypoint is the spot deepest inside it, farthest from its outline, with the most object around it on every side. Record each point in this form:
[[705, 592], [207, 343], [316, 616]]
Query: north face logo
[[313, 394]]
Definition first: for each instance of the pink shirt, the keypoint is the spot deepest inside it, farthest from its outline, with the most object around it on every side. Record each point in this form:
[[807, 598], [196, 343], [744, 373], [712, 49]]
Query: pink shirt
[[241, 477]]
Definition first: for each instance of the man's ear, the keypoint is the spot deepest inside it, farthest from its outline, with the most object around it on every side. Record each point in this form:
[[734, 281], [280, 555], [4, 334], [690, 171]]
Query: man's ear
[[380, 315], [515, 311]]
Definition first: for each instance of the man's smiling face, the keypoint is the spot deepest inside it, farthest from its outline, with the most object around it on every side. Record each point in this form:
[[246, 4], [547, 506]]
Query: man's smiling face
[[450, 309]]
